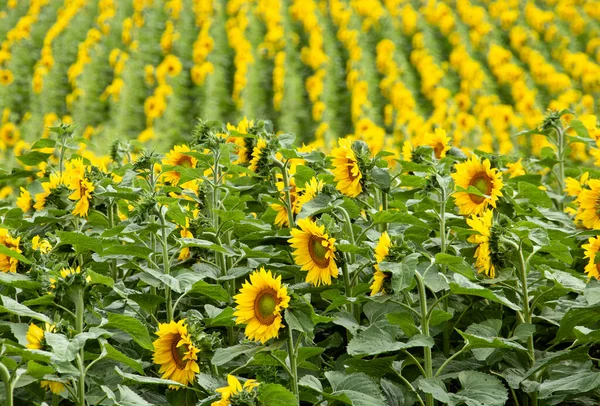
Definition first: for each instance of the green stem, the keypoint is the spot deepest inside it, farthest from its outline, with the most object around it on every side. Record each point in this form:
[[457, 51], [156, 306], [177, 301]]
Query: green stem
[[347, 284], [384, 206], [293, 362], [78, 297], [448, 360], [443, 246], [288, 195], [8, 385], [425, 331], [561, 162], [166, 265], [412, 388], [111, 223]]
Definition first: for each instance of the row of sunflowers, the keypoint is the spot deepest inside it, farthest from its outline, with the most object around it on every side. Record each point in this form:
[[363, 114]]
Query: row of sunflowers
[[386, 71], [238, 269]]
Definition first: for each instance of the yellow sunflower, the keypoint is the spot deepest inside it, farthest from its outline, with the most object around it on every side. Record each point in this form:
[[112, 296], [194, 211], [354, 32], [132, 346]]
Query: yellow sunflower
[[35, 341], [483, 225], [310, 190], [439, 141], [481, 176], [259, 305], [257, 154], [382, 250], [591, 249], [175, 353], [573, 187], [515, 169], [40, 245], [9, 264], [589, 205], [24, 201], [176, 157], [234, 388], [314, 252], [345, 169], [281, 219], [40, 198]]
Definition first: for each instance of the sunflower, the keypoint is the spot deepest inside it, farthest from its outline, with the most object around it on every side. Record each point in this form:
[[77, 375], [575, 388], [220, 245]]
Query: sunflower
[[35, 341], [573, 187], [24, 201], [281, 219], [82, 194], [257, 155], [175, 353], [483, 225], [9, 264], [382, 250], [234, 389], [40, 245], [345, 169], [515, 169], [176, 157], [311, 189], [314, 252], [481, 176], [259, 305], [591, 249], [589, 205], [439, 141], [54, 182]]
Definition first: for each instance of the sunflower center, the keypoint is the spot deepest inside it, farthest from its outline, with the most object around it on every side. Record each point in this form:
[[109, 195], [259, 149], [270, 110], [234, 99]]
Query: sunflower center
[[351, 169], [482, 183], [438, 148], [264, 306], [185, 161], [318, 252], [178, 352]]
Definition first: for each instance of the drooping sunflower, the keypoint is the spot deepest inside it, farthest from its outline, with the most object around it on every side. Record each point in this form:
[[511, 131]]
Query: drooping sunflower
[[483, 225], [259, 305], [589, 205], [591, 249], [233, 390], [257, 155], [24, 201], [481, 176], [175, 353], [176, 157], [439, 141], [314, 251], [35, 341], [55, 181], [382, 250], [345, 169], [9, 264]]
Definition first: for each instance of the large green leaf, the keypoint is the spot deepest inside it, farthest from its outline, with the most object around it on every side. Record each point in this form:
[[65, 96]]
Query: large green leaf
[[13, 254], [272, 394], [479, 389], [132, 326], [146, 379], [224, 355], [358, 388], [462, 286], [216, 292], [17, 280], [13, 307], [375, 340]]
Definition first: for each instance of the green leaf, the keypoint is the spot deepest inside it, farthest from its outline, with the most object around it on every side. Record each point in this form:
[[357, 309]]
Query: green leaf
[[216, 292], [456, 264], [535, 196], [13, 254], [33, 158], [61, 346], [462, 286], [97, 279], [580, 129], [224, 355], [585, 316], [43, 143], [319, 204], [18, 281], [272, 394], [299, 319], [406, 322], [128, 250], [486, 329], [359, 388], [13, 307], [114, 354], [375, 340], [479, 389], [146, 379], [576, 383], [131, 326], [381, 177], [436, 388], [130, 398], [80, 242], [389, 216]]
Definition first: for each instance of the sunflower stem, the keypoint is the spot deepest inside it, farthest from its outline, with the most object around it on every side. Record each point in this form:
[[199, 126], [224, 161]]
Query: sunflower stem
[[8, 385], [561, 162], [384, 207], [425, 330], [288, 195], [78, 296], [111, 223], [166, 265], [293, 362], [443, 244]]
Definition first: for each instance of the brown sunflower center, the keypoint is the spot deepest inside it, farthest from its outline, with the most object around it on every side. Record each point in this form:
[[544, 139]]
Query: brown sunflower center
[[318, 252], [438, 148], [185, 161], [264, 306], [177, 353], [351, 165], [482, 183]]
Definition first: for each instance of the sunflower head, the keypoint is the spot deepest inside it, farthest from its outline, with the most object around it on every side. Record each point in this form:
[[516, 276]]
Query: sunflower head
[[490, 250], [479, 175], [9, 264], [439, 141], [177, 157], [592, 268], [236, 394], [36, 336], [259, 305], [175, 353], [588, 202], [384, 250], [349, 166], [314, 251], [260, 156]]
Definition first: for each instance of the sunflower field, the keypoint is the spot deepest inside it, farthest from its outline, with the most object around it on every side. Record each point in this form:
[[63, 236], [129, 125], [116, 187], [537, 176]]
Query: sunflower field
[[299, 202]]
